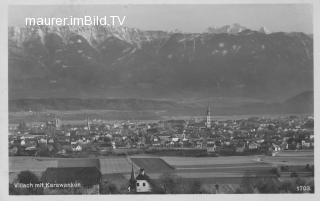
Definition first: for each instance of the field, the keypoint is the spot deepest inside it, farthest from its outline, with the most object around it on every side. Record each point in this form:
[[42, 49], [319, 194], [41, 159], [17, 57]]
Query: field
[[115, 165], [223, 170], [17, 164], [178, 161], [75, 162], [36, 165], [291, 158], [153, 164]]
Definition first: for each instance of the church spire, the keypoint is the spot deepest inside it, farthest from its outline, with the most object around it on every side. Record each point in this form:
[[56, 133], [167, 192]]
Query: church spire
[[208, 120], [132, 181], [88, 124], [132, 173]]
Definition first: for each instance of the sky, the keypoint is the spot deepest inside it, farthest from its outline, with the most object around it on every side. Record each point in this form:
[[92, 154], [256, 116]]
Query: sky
[[186, 18]]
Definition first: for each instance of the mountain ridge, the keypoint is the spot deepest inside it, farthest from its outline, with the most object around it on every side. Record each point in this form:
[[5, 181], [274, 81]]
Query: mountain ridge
[[299, 104], [96, 62]]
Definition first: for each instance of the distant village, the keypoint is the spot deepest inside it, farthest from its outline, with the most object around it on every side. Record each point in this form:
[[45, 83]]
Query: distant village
[[194, 137]]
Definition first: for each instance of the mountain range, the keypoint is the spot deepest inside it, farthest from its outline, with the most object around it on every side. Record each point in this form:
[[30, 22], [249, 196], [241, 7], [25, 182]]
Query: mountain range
[[97, 62]]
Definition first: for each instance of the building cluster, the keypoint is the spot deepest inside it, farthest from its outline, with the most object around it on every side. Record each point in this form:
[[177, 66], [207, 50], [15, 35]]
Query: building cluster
[[231, 137]]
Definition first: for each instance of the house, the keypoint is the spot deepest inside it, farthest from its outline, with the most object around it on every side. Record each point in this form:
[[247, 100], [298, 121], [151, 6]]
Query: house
[[199, 144], [51, 140], [23, 142], [175, 139], [305, 144], [253, 146], [259, 141], [31, 143], [240, 148], [42, 141], [143, 184], [13, 150], [76, 147], [211, 147], [284, 146], [62, 151], [51, 147], [164, 138], [276, 147], [113, 144], [298, 146]]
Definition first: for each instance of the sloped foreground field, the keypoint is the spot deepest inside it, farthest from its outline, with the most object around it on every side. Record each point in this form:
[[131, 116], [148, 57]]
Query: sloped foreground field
[[153, 164]]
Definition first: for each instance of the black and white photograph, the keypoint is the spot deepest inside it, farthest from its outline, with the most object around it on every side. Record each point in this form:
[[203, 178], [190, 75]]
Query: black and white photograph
[[160, 98]]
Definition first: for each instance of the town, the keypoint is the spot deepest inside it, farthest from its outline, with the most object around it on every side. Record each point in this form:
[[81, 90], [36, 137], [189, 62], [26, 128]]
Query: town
[[193, 137]]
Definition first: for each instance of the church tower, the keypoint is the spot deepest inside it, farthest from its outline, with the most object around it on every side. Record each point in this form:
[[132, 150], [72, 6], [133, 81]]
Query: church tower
[[132, 182], [88, 124], [208, 122]]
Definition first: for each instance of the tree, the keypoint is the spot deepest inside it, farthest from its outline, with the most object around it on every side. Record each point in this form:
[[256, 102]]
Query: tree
[[268, 185], [109, 188], [247, 182], [171, 183], [22, 126], [43, 150], [217, 188], [26, 177], [195, 187]]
